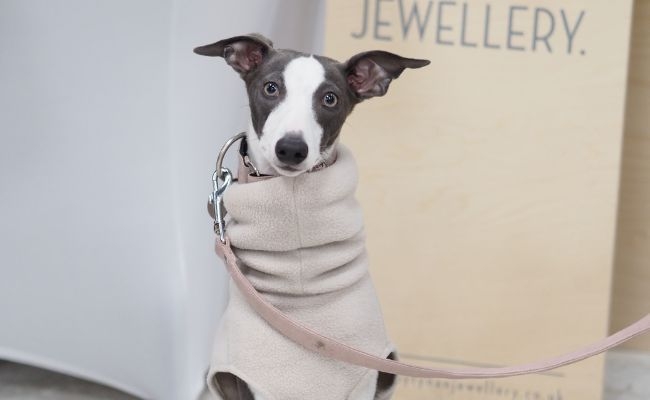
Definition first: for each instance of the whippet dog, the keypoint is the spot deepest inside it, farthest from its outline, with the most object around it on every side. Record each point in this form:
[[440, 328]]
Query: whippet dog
[[298, 104]]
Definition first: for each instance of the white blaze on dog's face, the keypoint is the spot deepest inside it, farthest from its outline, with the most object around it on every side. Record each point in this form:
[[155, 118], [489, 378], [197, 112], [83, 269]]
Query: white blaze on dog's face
[[298, 101], [298, 104], [291, 136]]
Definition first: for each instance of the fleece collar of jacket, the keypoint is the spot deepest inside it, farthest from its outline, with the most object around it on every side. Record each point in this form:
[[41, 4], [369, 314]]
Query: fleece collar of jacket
[[301, 242]]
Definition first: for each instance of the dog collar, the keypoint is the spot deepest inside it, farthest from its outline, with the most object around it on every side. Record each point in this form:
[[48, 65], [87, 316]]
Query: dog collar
[[248, 172]]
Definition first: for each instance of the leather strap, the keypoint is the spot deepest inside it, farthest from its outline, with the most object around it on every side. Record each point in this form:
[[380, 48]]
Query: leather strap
[[332, 348], [247, 173]]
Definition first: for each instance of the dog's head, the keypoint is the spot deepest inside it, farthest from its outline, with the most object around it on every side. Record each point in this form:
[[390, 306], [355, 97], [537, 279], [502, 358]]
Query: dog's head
[[299, 101]]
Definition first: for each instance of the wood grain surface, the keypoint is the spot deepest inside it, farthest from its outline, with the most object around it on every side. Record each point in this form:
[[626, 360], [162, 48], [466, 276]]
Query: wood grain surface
[[631, 289], [489, 182]]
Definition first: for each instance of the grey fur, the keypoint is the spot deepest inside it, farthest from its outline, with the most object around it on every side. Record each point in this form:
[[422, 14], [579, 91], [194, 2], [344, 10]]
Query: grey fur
[[363, 76]]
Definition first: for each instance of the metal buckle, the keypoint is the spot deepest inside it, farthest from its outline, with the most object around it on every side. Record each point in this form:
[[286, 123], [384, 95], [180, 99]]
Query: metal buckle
[[249, 164]]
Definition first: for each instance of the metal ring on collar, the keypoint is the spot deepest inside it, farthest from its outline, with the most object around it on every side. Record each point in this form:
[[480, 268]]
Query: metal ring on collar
[[224, 150]]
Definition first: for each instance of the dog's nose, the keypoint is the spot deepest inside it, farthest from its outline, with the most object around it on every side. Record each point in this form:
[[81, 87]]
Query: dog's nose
[[291, 149]]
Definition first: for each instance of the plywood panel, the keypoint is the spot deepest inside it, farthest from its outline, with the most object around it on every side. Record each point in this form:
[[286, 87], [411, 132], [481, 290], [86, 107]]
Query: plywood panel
[[494, 173], [631, 289]]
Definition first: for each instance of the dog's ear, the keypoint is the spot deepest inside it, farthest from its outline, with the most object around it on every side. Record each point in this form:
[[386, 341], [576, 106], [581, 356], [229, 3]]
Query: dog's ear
[[369, 74], [242, 53]]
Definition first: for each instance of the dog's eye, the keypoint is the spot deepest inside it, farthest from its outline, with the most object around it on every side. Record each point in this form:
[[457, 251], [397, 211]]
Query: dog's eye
[[330, 99], [271, 89]]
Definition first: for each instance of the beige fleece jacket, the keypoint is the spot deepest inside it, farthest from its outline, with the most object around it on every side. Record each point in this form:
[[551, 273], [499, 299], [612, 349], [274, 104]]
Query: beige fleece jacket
[[302, 242]]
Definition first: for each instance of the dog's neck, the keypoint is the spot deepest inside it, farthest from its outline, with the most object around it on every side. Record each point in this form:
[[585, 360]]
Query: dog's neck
[[277, 218], [327, 157]]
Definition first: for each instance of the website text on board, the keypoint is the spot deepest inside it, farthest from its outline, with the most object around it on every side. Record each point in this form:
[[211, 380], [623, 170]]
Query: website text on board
[[451, 23]]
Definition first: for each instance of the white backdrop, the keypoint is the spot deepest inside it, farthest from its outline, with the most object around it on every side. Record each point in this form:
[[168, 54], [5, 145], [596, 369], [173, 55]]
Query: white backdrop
[[109, 126]]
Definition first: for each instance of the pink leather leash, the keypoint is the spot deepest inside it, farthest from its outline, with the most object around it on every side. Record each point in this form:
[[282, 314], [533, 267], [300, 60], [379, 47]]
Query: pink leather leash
[[332, 348]]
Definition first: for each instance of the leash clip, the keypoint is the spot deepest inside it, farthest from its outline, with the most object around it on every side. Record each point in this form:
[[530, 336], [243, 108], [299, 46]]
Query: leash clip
[[215, 200]]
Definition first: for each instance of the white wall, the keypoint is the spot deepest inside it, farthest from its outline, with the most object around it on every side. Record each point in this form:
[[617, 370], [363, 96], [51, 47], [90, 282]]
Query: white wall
[[86, 183], [208, 105], [109, 126]]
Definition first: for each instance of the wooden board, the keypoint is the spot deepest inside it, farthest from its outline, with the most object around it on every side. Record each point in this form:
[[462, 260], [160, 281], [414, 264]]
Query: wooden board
[[631, 289], [495, 171]]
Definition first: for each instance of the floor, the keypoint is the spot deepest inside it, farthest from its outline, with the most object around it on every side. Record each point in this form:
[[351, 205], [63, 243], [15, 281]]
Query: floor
[[20, 382], [627, 378]]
